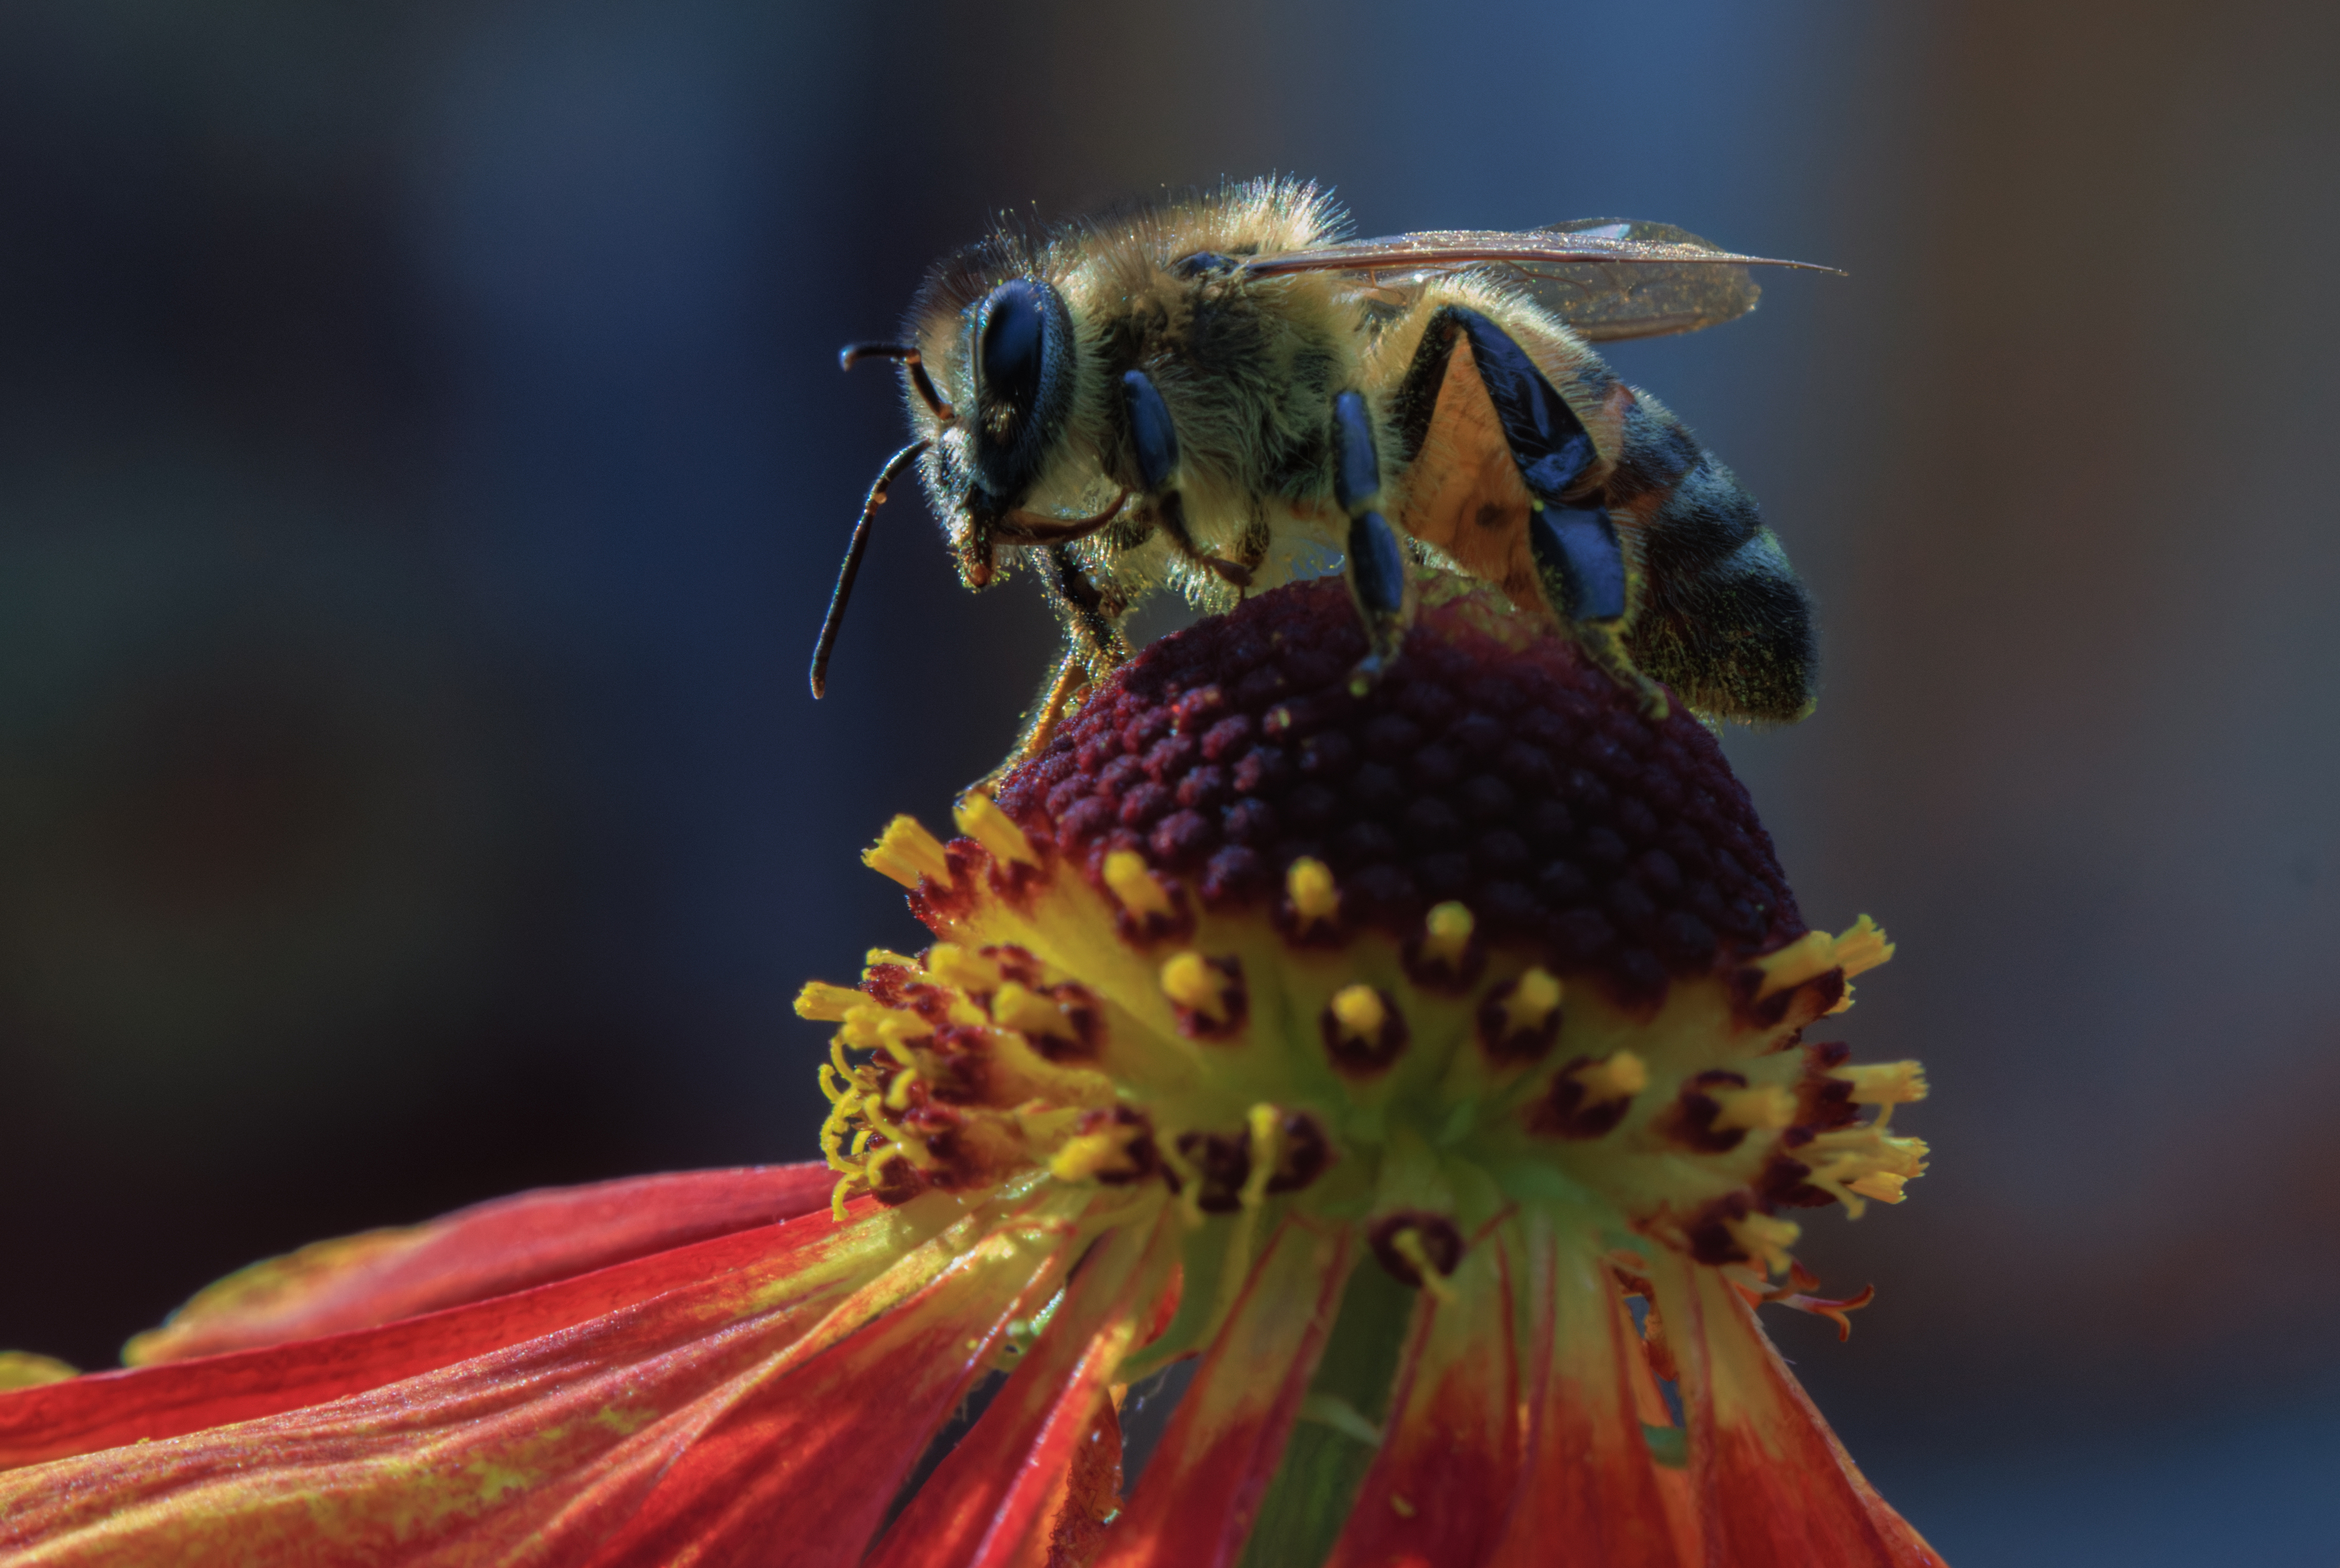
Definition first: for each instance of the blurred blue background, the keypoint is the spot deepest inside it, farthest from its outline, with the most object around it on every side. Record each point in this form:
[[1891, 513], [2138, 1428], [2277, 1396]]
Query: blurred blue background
[[423, 465]]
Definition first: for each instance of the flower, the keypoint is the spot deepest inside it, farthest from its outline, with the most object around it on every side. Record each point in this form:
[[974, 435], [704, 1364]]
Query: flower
[[1425, 1061]]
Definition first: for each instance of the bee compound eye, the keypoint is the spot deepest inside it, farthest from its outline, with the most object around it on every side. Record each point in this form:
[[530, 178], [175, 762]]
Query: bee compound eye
[[1024, 385], [1011, 344]]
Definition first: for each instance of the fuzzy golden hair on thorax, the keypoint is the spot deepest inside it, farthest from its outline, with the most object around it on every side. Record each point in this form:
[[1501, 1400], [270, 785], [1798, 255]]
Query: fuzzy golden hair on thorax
[[1240, 218]]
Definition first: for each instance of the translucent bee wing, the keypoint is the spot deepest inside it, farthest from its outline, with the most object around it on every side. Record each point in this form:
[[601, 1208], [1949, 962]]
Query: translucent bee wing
[[1608, 277]]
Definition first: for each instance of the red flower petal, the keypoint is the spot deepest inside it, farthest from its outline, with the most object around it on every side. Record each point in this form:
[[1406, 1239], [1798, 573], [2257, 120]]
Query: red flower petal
[[1590, 1477], [488, 1250], [106, 1409], [1438, 1489], [1196, 1505], [981, 1506], [1776, 1489], [753, 1417]]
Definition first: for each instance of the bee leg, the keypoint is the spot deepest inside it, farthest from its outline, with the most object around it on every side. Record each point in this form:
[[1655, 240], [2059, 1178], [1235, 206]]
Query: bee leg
[[1156, 441], [1580, 562], [1072, 678], [1094, 645], [1376, 570]]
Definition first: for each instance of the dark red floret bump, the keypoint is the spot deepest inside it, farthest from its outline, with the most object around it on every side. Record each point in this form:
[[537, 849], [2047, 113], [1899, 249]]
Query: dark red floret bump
[[1491, 766]]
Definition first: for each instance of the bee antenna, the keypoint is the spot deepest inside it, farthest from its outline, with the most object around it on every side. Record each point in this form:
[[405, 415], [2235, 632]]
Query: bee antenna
[[831, 621], [854, 353]]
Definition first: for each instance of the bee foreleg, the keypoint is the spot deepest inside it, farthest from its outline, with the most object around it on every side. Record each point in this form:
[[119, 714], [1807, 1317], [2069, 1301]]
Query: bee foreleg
[[1094, 645], [1155, 440], [1376, 570], [1070, 679]]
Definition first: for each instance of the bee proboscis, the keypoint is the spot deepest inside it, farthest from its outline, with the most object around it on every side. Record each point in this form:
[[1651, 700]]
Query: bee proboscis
[[1203, 394]]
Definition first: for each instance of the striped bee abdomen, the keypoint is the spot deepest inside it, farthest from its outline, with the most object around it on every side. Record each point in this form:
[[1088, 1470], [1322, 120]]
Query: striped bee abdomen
[[1723, 618]]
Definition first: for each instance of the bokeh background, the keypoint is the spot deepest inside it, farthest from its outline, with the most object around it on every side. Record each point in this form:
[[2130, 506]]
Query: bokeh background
[[422, 464]]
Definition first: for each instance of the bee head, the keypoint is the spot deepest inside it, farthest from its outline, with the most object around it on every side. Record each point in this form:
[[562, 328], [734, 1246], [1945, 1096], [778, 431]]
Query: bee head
[[1022, 388]]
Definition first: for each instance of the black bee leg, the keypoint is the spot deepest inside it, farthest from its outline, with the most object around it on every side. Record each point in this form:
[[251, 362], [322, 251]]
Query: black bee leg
[[1094, 645], [1154, 440], [1376, 565], [1580, 562]]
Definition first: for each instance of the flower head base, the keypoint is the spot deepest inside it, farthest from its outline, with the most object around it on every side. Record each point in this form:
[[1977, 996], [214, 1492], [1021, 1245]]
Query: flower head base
[[1419, 1029], [1427, 1060]]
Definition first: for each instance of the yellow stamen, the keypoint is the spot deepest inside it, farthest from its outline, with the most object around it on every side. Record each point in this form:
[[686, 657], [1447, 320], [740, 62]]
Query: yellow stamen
[[1809, 956], [827, 1003], [1766, 1238], [1084, 1156], [992, 828], [1853, 1162], [1857, 951], [1881, 1185], [1315, 896], [1407, 1244], [1190, 1185], [1884, 1082], [1361, 1012], [884, 957], [1621, 1076], [914, 1149], [1028, 1013], [1862, 948], [1140, 894], [905, 851], [1236, 1266], [1197, 984], [963, 968], [1531, 1002], [1446, 935], [889, 1030], [897, 1093], [1766, 1106], [1264, 1122]]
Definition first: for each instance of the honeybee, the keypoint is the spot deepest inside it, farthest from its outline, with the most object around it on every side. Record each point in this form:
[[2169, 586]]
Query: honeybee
[[1203, 395]]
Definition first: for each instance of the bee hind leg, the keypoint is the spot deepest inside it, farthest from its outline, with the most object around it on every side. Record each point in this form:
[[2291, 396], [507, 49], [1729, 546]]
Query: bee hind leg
[[1580, 562], [1376, 565]]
